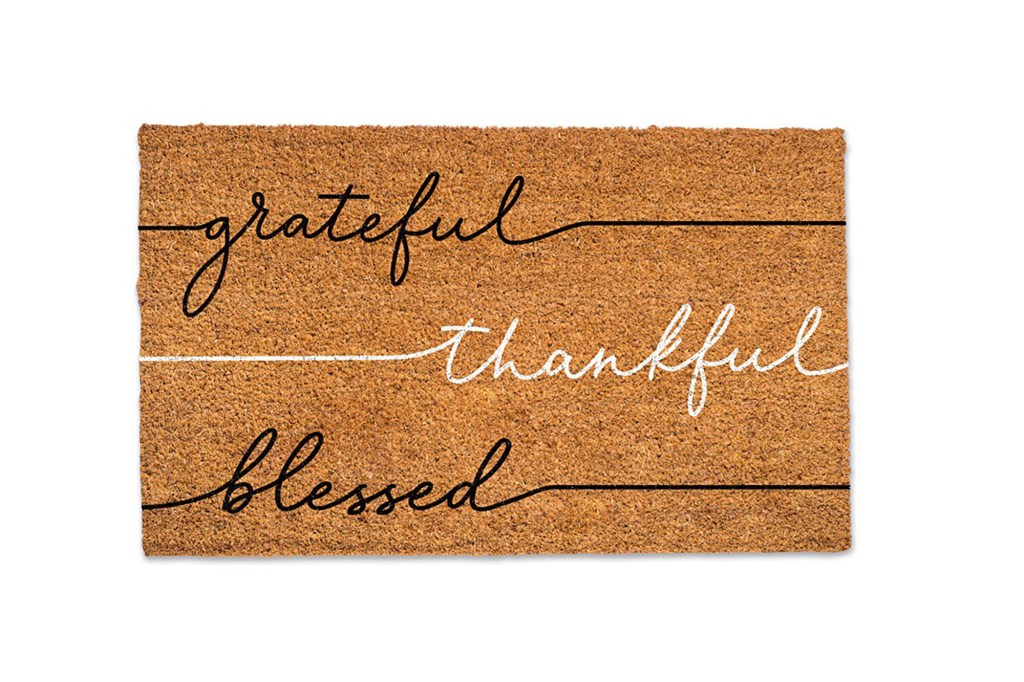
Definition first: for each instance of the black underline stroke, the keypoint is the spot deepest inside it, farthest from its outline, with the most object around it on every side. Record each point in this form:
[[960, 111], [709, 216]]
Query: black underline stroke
[[171, 228], [668, 223], [657, 488], [590, 223], [558, 487]]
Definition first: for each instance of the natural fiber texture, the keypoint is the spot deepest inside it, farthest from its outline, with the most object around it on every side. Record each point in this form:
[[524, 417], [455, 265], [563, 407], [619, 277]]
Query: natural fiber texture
[[594, 286]]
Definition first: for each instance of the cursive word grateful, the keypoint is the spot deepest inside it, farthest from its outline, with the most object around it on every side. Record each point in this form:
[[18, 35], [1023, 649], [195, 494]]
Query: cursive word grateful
[[371, 228], [209, 277]]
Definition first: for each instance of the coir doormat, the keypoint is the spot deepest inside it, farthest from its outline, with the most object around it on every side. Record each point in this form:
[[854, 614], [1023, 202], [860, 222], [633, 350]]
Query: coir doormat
[[492, 341]]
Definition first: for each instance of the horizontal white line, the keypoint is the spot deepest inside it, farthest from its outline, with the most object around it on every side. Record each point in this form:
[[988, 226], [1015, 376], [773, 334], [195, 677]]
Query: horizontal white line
[[385, 357], [277, 358]]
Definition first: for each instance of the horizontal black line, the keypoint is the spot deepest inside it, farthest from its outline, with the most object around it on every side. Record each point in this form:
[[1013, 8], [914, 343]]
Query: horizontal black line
[[698, 223], [759, 487], [599, 223], [660, 487], [702, 486], [171, 228]]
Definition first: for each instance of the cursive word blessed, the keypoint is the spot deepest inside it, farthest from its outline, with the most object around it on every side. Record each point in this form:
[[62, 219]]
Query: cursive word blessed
[[238, 491]]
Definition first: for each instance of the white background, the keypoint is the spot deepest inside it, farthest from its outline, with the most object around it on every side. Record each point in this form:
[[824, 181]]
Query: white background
[[929, 98]]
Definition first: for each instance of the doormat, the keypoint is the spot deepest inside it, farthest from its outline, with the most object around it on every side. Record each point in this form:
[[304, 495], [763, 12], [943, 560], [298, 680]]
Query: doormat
[[492, 340]]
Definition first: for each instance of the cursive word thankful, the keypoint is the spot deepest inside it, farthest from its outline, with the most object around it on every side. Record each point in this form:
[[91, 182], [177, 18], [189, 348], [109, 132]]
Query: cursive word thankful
[[209, 277], [664, 358], [238, 491]]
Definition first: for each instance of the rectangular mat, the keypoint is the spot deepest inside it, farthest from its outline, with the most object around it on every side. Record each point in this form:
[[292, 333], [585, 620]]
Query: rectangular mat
[[492, 341]]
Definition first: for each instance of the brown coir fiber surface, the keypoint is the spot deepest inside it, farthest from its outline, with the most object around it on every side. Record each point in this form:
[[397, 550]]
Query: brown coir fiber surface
[[611, 286]]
